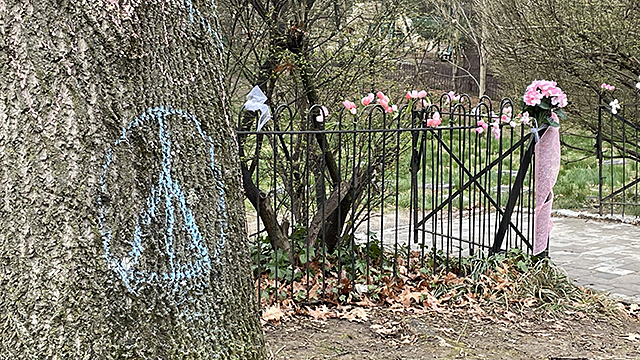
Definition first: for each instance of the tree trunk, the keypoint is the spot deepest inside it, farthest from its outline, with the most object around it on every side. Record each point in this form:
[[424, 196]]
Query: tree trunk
[[482, 54], [122, 232]]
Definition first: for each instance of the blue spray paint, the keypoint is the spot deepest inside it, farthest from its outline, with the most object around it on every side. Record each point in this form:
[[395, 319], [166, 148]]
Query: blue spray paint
[[169, 193], [196, 16]]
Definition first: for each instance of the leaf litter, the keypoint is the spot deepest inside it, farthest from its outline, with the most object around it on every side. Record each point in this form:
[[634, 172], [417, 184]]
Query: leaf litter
[[501, 282]]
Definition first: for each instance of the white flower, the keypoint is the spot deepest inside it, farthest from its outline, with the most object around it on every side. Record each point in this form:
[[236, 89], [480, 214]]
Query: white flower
[[324, 113], [615, 105], [638, 86]]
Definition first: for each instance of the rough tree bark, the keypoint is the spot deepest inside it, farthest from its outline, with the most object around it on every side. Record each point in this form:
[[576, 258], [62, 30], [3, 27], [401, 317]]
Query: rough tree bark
[[121, 225]]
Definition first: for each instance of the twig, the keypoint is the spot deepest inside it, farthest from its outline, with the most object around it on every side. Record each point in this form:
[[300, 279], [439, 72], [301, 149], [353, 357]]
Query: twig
[[577, 160], [464, 328]]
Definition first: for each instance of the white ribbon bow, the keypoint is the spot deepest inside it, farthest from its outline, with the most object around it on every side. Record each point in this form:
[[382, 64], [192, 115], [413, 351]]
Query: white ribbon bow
[[255, 101]]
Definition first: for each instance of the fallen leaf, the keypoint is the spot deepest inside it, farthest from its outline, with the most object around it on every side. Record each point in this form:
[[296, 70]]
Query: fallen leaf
[[272, 314], [356, 314], [381, 330], [346, 286], [321, 313], [364, 302], [632, 337], [406, 296]]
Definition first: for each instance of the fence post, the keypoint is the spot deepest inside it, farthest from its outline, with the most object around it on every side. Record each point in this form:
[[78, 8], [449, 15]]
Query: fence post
[[415, 166]]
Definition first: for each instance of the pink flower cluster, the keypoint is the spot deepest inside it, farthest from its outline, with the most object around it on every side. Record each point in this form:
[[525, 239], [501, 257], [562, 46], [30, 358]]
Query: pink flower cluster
[[453, 97], [350, 106], [482, 126], [435, 120], [506, 118], [415, 94], [524, 118], [383, 100], [539, 89], [606, 86]]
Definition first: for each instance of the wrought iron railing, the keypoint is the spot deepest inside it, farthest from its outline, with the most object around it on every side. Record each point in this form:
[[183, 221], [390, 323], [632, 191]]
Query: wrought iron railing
[[346, 197], [618, 151]]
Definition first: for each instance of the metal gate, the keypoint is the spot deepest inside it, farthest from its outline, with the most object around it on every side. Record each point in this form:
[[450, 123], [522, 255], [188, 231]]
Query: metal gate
[[471, 193], [618, 151]]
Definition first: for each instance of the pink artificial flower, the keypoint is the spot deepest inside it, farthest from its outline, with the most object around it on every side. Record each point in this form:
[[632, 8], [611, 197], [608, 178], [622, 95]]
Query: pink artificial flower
[[324, 113], [384, 103], [388, 109], [452, 96], [606, 86], [548, 88], [482, 126], [534, 85], [513, 124], [495, 129], [367, 99], [382, 96], [422, 94], [350, 106], [560, 100], [532, 97], [394, 107], [413, 94], [524, 118], [408, 96], [435, 120]]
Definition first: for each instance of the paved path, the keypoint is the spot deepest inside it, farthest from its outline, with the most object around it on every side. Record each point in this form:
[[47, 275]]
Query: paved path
[[603, 255]]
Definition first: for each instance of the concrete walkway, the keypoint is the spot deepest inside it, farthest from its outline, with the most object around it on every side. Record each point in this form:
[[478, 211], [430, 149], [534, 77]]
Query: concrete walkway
[[603, 255]]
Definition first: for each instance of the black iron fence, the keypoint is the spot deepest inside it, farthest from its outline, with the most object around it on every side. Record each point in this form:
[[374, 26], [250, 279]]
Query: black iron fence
[[618, 150], [337, 198]]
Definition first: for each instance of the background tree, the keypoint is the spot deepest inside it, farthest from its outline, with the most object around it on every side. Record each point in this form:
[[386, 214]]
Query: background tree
[[122, 232], [579, 44], [306, 53], [464, 27]]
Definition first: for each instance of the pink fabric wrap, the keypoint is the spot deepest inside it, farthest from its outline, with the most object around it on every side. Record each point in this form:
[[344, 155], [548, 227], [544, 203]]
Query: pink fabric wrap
[[546, 173]]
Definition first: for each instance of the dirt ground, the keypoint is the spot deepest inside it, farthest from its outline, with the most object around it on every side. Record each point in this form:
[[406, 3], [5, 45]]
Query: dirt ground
[[388, 334]]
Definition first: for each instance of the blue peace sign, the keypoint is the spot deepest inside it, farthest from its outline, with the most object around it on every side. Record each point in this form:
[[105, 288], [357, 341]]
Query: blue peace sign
[[168, 193]]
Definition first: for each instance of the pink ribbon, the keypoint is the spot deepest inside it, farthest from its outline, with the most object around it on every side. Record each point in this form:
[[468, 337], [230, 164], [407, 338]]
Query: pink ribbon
[[546, 173]]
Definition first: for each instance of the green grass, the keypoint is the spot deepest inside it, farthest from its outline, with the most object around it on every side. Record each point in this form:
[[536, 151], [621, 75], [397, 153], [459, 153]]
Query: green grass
[[577, 186]]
